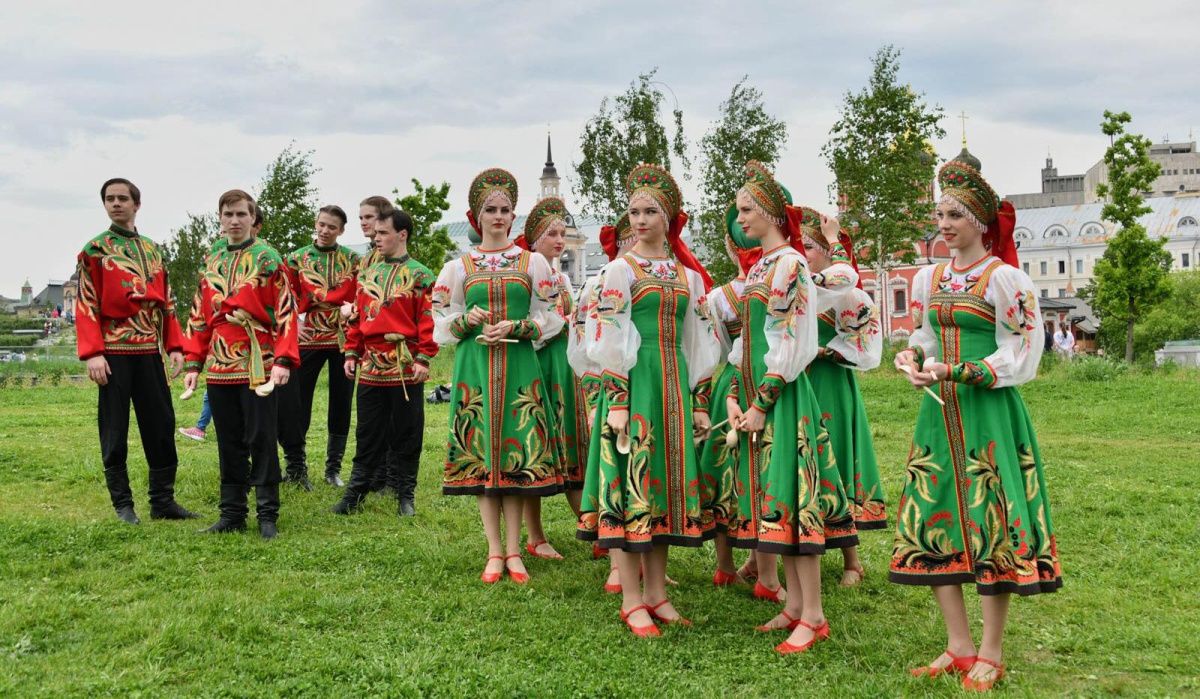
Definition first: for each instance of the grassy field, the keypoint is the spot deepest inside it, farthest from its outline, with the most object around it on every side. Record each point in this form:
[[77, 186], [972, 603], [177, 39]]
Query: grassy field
[[373, 605]]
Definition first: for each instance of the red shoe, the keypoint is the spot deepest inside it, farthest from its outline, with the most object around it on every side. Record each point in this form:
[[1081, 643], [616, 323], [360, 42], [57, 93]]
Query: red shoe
[[748, 571], [531, 547], [491, 578], [597, 552], [983, 685], [723, 579], [859, 571], [518, 578], [791, 625], [677, 620], [612, 588], [959, 664], [820, 633], [650, 631], [763, 592]]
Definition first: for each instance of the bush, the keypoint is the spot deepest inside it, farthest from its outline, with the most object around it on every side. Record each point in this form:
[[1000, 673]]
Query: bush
[[18, 340], [1088, 368]]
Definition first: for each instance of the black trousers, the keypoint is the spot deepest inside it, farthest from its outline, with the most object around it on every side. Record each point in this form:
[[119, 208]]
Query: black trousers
[[142, 379], [296, 400], [386, 420], [246, 433]]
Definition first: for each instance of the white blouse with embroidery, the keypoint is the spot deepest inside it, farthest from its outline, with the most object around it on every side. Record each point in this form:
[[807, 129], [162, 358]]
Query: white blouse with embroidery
[[1012, 293], [791, 324], [577, 344], [859, 340], [449, 293], [613, 338], [720, 313], [562, 302]]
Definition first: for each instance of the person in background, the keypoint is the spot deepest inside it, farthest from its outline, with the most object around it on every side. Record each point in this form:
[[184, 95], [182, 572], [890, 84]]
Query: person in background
[[197, 431], [1064, 341]]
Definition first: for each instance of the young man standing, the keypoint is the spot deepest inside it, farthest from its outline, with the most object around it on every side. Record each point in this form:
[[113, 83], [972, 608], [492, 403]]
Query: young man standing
[[243, 318], [322, 277], [390, 342], [125, 319]]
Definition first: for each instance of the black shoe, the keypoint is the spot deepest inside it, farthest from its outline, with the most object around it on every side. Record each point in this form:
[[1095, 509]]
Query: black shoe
[[304, 483], [347, 505], [224, 526], [267, 530], [406, 508], [335, 480], [127, 515], [172, 511], [335, 449]]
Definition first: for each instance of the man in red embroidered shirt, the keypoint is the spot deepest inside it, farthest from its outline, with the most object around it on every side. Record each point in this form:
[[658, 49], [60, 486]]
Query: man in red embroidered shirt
[[243, 322], [124, 320], [389, 342]]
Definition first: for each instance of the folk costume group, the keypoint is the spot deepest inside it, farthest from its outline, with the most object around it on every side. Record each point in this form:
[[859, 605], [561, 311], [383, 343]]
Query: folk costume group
[[669, 412]]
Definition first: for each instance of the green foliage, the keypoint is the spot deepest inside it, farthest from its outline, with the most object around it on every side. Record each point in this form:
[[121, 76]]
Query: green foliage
[[13, 322], [1095, 369], [19, 340], [880, 156], [428, 244], [626, 131], [1131, 277], [745, 131], [184, 256], [1176, 318], [289, 200]]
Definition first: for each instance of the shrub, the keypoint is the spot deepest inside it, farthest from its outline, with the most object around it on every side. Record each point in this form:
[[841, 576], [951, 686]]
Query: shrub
[[1095, 369]]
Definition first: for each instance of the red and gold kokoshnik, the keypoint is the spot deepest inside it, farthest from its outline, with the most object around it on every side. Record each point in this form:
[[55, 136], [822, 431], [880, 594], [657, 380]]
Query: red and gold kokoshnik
[[966, 186], [486, 183], [545, 213], [765, 192], [655, 181]]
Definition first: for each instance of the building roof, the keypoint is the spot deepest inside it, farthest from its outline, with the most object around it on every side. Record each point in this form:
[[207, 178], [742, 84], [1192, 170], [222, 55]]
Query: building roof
[[1080, 224]]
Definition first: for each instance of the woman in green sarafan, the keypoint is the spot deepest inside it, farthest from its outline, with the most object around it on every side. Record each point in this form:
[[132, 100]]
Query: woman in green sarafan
[[803, 508], [652, 340], [493, 303], [974, 506]]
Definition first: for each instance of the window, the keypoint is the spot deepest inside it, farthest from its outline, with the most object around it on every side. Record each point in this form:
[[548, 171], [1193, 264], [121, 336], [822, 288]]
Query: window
[[1055, 231], [1062, 266], [1045, 292], [1079, 266], [1062, 293], [1186, 222], [1042, 268], [1025, 267], [1023, 234], [899, 302], [1184, 261]]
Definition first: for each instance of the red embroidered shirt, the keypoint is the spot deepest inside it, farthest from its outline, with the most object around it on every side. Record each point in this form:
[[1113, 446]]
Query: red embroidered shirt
[[322, 280], [393, 299]]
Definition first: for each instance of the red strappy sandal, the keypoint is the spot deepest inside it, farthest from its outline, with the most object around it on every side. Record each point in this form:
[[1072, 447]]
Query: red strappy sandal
[[491, 578], [959, 664], [983, 685], [723, 579], [518, 578], [531, 548], [791, 625], [820, 633], [657, 617], [765, 593], [860, 571], [650, 631]]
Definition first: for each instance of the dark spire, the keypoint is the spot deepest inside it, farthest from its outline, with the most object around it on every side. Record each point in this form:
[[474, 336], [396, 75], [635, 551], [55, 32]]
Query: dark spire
[[549, 170]]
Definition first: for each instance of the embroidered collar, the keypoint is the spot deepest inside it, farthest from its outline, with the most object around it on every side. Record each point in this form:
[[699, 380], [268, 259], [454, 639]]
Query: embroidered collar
[[123, 232], [242, 245], [397, 260], [331, 248]]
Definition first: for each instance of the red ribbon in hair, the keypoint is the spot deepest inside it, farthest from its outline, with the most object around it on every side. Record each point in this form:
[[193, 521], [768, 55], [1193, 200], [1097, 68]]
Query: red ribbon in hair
[[681, 251], [848, 244], [999, 235], [794, 215], [748, 257], [608, 241], [520, 242]]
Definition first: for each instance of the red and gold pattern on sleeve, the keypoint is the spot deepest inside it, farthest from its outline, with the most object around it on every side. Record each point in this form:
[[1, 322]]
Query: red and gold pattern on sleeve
[[124, 304], [244, 307], [322, 280], [391, 328]]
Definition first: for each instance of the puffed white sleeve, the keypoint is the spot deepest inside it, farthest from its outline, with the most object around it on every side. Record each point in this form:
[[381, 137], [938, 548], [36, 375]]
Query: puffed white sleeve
[[612, 338], [449, 304], [701, 348], [836, 281], [790, 328], [923, 341], [858, 343], [719, 313], [563, 307], [1018, 339], [543, 320], [577, 337]]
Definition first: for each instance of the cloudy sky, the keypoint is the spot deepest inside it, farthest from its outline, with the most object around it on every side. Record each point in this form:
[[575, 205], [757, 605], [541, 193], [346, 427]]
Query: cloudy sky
[[189, 100]]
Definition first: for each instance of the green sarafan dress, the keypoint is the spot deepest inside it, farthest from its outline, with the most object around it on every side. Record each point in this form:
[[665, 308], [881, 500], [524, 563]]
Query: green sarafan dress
[[790, 467], [718, 460], [650, 337], [850, 340], [564, 395], [500, 433], [974, 506]]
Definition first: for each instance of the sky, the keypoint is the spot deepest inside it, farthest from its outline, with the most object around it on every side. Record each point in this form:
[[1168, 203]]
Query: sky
[[191, 99]]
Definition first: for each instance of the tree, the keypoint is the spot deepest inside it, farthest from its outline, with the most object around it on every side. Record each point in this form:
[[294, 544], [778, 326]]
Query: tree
[[428, 245], [288, 200], [744, 132], [183, 256], [1131, 277], [1176, 318], [880, 157], [622, 134]]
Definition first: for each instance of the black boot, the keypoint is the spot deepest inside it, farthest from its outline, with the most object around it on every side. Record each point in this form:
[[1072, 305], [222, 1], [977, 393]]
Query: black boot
[[297, 471], [334, 450], [356, 490], [127, 515], [162, 496], [407, 488], [379, 477], [117, 480], [266, 502], [233, 511]]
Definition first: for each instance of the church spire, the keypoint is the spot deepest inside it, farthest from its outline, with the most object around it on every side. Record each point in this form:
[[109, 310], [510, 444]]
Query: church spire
[[549, 170]]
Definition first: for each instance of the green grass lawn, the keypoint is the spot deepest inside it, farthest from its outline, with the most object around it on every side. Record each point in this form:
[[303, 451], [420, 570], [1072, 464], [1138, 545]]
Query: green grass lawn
[[373, 605]]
